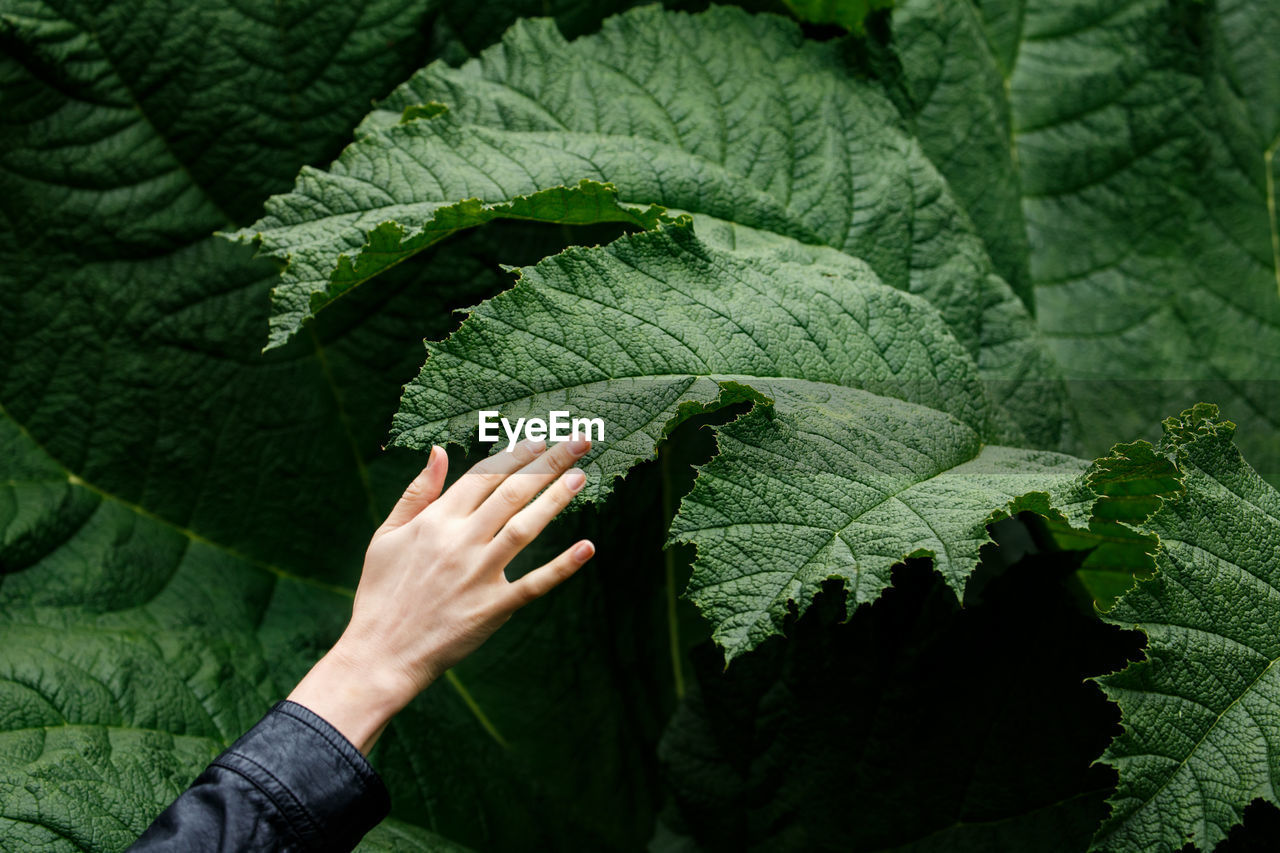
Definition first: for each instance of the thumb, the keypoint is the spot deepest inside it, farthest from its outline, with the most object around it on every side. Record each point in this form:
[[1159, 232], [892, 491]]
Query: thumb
[[424, 489]]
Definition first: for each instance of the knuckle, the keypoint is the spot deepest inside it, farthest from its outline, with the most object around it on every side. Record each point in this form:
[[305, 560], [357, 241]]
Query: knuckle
[[429, 518], [518, 532], [485, 476], [510, 496], [437, 535], [528, 591], [416, 488], [477, 618]]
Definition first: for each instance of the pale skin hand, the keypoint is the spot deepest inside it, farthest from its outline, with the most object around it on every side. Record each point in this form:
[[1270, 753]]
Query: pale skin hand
[[433, 589]]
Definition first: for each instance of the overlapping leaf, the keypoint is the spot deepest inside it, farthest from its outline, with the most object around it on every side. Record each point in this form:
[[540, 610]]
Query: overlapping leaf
[[180, 518], [846, 488], [1141, 141], [869, 442], [733, 117], [1200, 713]]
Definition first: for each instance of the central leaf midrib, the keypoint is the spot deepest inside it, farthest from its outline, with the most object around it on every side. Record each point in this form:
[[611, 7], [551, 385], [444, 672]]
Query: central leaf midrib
[[716, 377]]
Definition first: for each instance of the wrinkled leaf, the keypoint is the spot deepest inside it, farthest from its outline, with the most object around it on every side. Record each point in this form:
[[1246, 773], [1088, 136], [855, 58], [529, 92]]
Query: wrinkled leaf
[[1142, 145], [1199, 712], [731, 117], [867, 445]]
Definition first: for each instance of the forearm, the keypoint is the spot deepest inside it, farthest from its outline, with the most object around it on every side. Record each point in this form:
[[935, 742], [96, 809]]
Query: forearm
[[354, 694]]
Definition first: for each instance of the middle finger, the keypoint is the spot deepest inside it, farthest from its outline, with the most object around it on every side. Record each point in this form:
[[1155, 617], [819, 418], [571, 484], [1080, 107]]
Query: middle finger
[[515, 492]]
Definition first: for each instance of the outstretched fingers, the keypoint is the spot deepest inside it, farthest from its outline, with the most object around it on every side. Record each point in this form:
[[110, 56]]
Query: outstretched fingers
[[475, 486], [525, 525], [515, 491], [547, 577]]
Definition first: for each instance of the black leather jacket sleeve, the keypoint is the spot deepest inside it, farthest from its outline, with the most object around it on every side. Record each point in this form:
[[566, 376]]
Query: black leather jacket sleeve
[[291, 783]]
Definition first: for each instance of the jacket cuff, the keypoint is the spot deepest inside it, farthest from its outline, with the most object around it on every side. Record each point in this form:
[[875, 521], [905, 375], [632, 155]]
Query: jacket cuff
[[327, 791]]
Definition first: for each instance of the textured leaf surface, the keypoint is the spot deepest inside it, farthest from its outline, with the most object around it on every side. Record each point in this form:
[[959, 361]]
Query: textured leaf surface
[[960, 113], [274, 87], [868, 446], [846, 488], [650, 328], [1129, 484], [729, 116], [1200, 714], [1144, 139], [180, 518]]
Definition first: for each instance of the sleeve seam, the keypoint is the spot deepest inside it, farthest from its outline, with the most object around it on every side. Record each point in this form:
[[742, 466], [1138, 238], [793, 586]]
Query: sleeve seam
[[363, 773], [302, 839]]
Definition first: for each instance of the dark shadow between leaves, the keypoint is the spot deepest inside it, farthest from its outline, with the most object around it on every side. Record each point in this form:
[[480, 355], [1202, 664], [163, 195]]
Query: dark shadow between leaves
[[917, 724]]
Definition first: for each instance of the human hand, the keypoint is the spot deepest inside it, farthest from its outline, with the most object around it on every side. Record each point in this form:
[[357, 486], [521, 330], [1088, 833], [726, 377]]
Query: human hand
[[433, 589]]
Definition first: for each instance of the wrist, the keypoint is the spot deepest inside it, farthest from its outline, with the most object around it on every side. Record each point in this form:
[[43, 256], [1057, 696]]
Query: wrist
[[356, 694]]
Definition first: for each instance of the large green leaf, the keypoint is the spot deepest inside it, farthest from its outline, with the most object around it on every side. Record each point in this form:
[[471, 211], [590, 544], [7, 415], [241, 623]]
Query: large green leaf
[[960, 113], [209, 109], [734, 118], [646, 330], [181, 519], [866, 483], [1142, 144], [867, 445], [1199, 714]]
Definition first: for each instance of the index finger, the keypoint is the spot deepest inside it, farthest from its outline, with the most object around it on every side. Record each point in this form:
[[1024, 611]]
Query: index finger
[[482, 478]]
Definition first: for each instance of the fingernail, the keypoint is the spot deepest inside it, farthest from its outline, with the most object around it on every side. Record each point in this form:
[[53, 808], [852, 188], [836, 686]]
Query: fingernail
[[584, 551], [535, 445], [575, 480], [431, 456], [578, 446]]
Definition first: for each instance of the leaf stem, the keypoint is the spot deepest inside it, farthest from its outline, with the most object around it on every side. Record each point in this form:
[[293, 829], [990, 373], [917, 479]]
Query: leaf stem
[[669, 561]]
